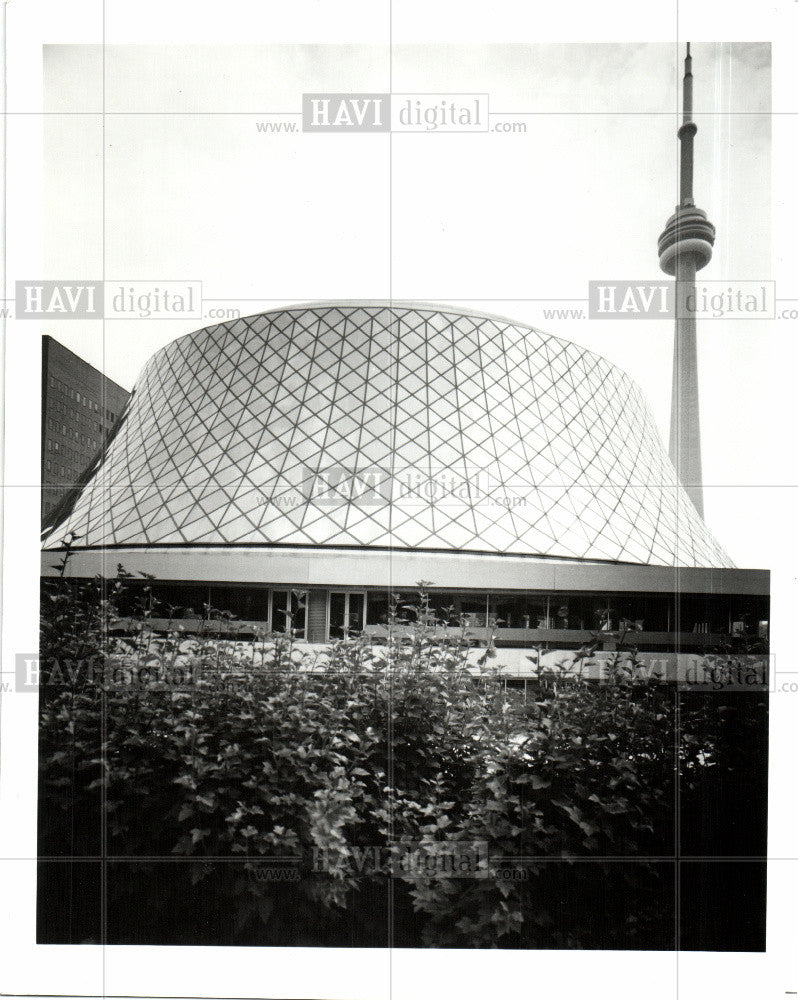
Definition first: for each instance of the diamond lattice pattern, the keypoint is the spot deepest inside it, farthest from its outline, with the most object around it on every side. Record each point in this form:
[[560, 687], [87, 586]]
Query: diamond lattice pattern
[[380, 425]]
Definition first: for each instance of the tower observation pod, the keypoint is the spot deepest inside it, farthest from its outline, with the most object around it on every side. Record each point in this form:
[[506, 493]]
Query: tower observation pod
[[685, 247]]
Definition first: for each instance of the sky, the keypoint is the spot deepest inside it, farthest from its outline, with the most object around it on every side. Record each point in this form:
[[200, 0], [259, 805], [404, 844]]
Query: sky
[[178, 183]]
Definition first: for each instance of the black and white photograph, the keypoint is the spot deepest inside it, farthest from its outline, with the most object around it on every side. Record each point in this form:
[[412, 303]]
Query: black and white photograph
[[398, 533]]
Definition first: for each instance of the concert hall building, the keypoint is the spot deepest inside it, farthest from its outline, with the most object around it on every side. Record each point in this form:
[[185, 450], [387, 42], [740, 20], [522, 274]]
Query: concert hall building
[[315, 460]]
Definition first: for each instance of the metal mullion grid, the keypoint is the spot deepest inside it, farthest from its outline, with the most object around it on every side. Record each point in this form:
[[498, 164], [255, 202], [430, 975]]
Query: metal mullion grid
[[158, 371], [479, 334], [265, 417], [622, 486], [469, 511], [531, 525], [364, 404], [229, 392], [343, 528], [422, 326], [435, 516], [542, 350], [596, 416], [252, 385], [241, 335], [608, 440], [416, 395], [618, 508], [520, 433], [306, 389], [651, 484], [569, 419]]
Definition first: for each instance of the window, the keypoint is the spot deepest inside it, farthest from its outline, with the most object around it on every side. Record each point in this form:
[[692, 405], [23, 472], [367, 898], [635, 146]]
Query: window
[[378, 608], [347, 613], [243, 602], [288, 611], [529, 611], [449, 608]]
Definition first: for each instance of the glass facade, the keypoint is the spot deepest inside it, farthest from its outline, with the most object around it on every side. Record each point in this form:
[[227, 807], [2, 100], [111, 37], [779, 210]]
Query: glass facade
[[557, 619], [391, 426]]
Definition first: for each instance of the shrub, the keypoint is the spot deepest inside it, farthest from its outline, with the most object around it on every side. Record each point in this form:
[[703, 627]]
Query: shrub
[[267, 760]]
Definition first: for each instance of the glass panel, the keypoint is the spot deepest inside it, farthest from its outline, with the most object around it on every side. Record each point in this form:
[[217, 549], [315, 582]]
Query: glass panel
[[474, 607], [356, 612], [655, 611], [279, 617], [299, 605], [447, 606], [523, 611], [178, 600], [245, 603], [378, 605], [702, 613], [337, 614]]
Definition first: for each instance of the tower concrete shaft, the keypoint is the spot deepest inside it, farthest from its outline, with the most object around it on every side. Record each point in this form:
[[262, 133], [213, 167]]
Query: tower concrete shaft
[[685, 435], [685, 246]]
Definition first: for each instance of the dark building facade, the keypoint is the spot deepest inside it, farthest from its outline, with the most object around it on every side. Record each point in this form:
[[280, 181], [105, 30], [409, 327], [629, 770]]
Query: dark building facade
[[80, 406]]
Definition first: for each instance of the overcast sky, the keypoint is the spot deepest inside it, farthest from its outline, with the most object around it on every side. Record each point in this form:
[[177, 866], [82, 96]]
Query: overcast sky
[[192, 190]]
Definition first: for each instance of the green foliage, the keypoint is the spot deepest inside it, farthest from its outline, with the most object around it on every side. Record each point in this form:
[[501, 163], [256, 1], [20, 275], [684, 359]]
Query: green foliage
[[264, 752]]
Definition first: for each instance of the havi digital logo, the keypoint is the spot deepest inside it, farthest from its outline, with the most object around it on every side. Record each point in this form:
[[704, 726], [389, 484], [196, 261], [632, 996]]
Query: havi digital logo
[[394, 112], [59, 299], [346, 112]]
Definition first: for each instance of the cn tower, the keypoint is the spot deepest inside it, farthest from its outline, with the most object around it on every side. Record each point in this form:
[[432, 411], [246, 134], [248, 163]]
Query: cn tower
[[685, 246]]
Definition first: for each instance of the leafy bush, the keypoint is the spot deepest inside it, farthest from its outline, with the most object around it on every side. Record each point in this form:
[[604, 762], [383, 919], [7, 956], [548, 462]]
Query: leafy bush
[[267, 760]]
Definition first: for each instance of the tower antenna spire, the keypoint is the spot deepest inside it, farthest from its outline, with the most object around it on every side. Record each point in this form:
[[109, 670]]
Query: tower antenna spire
[[687, 133], [685, 246]]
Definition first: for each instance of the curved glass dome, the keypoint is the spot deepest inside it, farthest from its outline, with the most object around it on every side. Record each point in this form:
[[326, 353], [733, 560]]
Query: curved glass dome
[[376, 424]]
